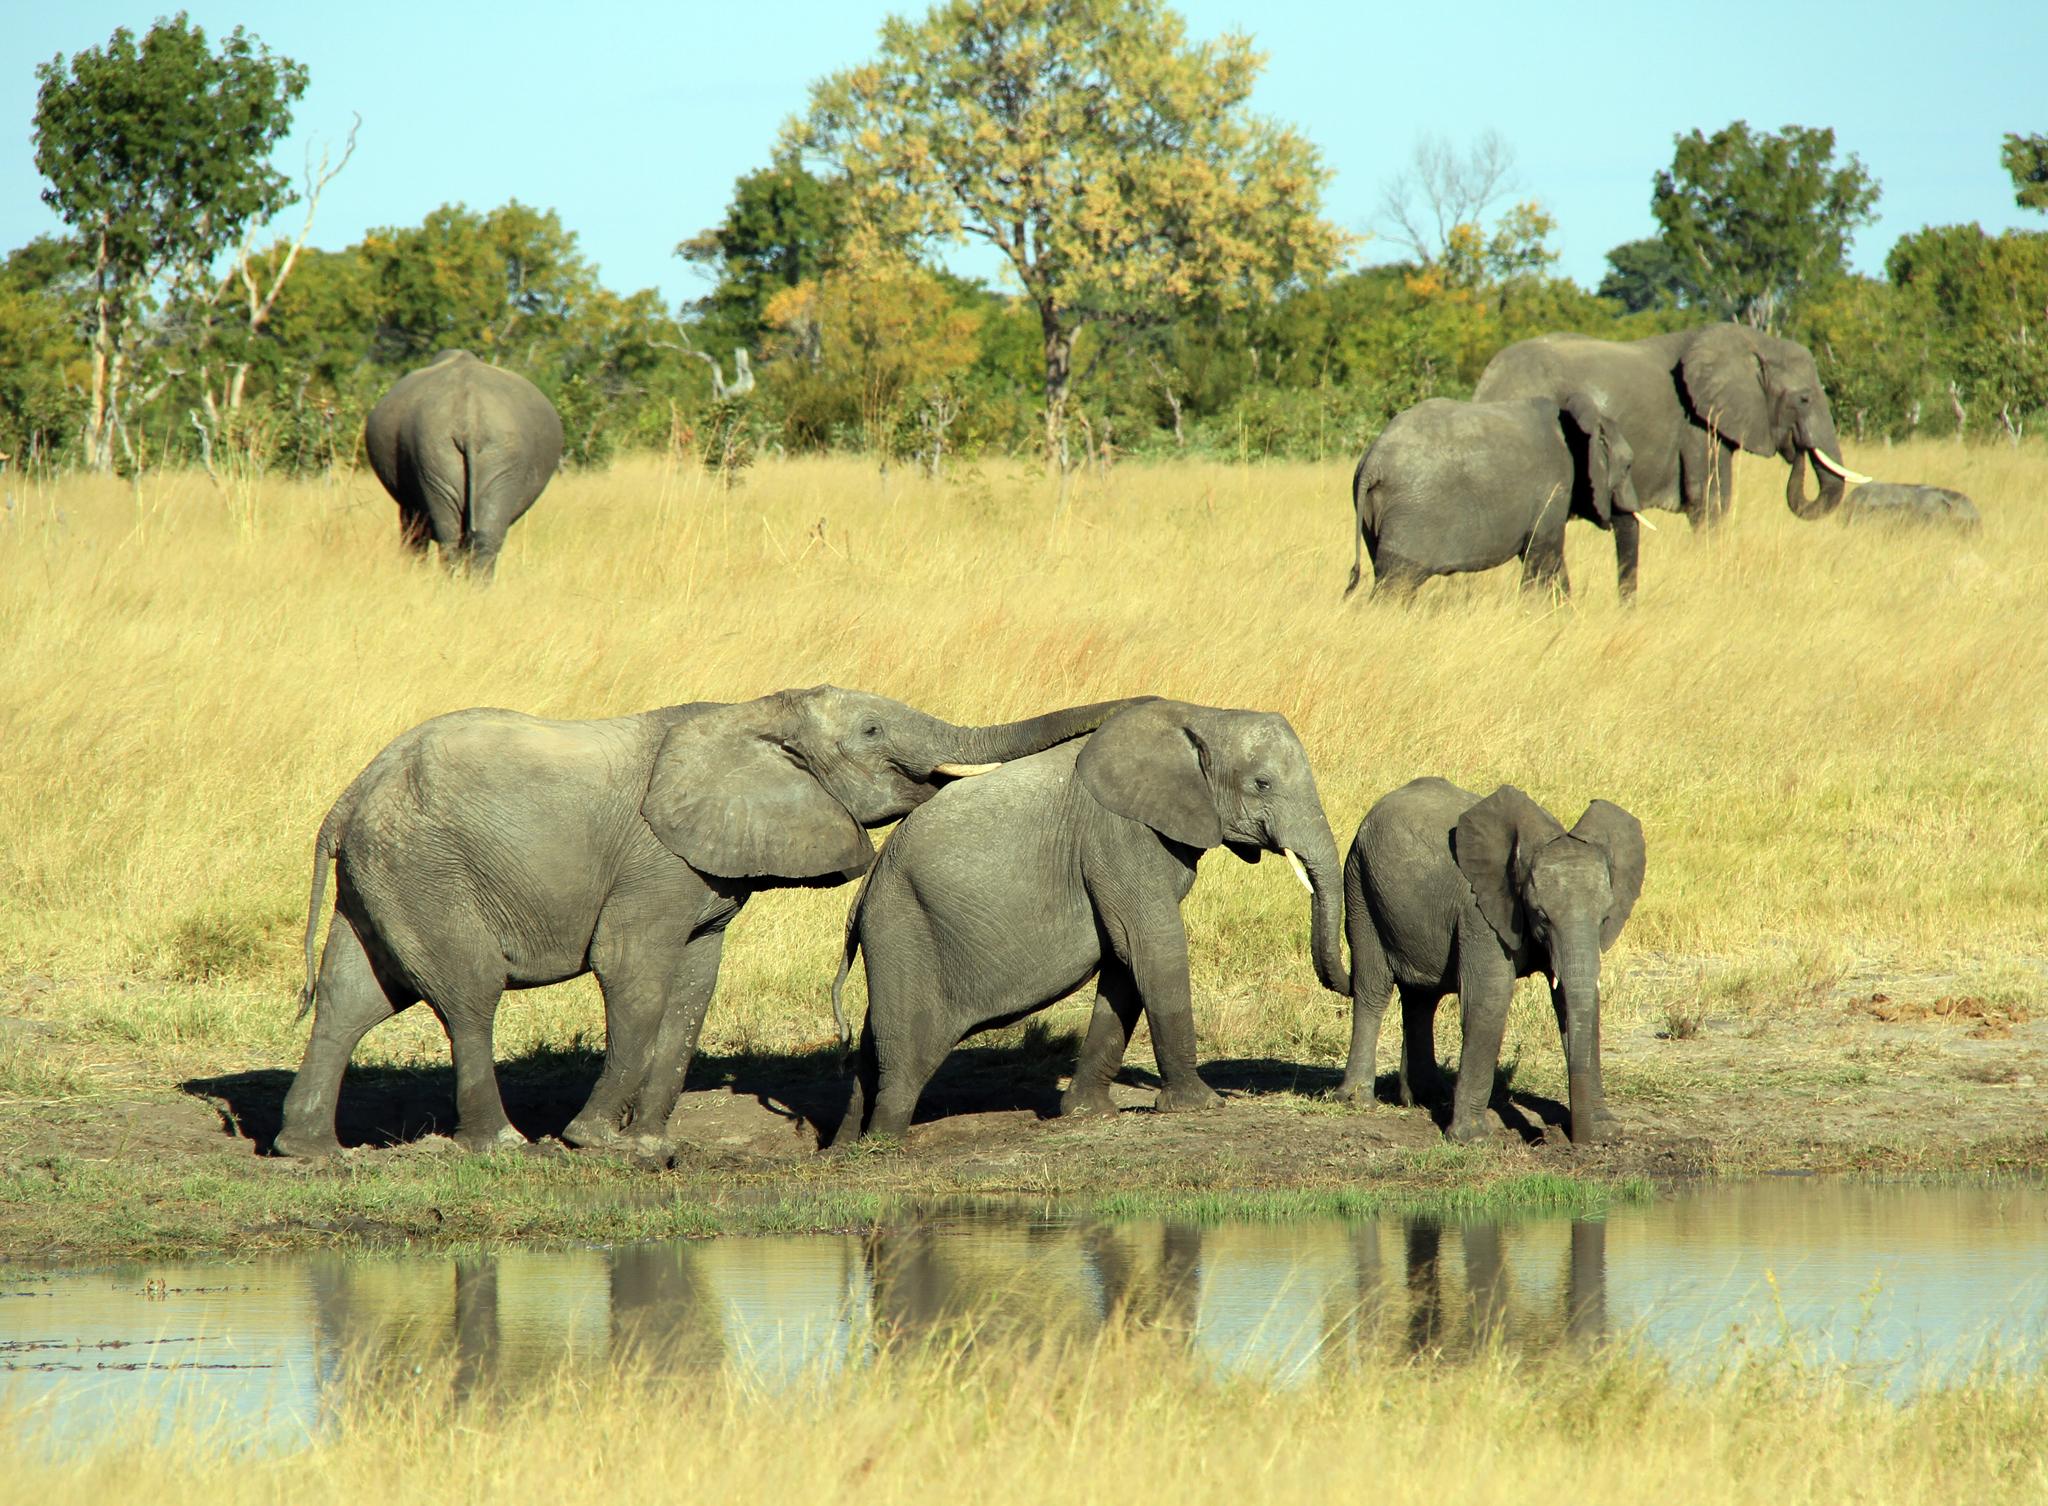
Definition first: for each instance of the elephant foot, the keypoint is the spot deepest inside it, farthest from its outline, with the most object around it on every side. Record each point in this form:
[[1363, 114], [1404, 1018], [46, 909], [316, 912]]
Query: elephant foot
[[587, 1132], [1187, 1098], [1356, 1093], [303, 1145], [483, 1142], [1077, 1102], [1602, 1129], [1465, 1130]]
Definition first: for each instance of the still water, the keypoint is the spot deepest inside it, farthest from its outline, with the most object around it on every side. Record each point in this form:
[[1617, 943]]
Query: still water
[[1907, 1285]]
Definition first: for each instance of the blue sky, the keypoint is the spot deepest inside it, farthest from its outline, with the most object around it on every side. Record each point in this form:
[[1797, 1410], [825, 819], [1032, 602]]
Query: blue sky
[[634, 120]]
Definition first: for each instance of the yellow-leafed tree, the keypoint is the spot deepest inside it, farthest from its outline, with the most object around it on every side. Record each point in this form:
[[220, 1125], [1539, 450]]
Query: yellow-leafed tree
[[1114, 163]]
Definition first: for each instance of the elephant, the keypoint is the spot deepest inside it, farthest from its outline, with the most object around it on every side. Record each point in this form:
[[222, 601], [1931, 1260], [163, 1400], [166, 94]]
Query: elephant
[[1447, 893], [995, 899], [464, 448], [486, 850], [1686, 401], [1451, 486], [1888, 501]]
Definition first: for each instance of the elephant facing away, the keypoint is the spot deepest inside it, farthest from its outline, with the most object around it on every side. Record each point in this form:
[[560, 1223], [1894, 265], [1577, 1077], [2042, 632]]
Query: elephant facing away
[[1686, 402], [1005, 894], [1450, 487], [486, 850], [464, 448], [1447, 893]]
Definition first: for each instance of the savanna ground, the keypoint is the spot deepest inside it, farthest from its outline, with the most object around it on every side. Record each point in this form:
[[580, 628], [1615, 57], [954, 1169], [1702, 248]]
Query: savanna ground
[[1833, 735]]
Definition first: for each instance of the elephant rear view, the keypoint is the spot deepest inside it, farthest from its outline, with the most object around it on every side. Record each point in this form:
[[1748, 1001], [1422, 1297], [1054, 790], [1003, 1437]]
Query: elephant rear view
[[1451, 487], [464, 448]]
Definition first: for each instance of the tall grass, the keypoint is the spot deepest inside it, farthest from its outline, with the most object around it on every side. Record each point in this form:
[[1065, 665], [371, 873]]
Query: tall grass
[[1833, 736], [1102, 1421]]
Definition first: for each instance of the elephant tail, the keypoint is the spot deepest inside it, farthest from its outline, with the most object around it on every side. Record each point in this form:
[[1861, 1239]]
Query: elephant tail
[[849, 949], [1358, 489], [324, 847]]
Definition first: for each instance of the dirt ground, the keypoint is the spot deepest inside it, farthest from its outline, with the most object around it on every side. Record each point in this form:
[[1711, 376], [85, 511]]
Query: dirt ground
[[1894, 1079]]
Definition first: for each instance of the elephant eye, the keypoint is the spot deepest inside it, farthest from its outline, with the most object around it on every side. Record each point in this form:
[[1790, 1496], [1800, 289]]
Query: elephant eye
[[1262, 784], [871, 730]]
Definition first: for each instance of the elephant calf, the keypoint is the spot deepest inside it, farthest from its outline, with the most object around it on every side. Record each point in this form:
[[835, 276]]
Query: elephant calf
[[1004, 894], [1451, 487], [1890, 500], [1447, 893], [464, 448]]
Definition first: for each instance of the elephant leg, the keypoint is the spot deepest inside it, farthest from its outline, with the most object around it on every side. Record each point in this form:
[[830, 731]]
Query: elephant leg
[[1153, 945], [1395, 578], [1117, 1008], [350, 1001], [1421, 1082], [1372, 983], [1627, 537], [1543, 563], [633, 1007], [1486, 985], [675, 1042], [902, 1075], [465, 997], [866, 1078], [415, 530]]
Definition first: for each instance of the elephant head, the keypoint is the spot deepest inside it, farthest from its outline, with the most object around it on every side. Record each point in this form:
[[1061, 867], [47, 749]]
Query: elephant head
[[1764, 393], [1610, 487], [784, 788], [1207, 778], [1563, 894]]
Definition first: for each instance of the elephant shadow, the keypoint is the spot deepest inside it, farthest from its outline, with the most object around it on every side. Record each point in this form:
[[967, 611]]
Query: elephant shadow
[[1529, 1116]]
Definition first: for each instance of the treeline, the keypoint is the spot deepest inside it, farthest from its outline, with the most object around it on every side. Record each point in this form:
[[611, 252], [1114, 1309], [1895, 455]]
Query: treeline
[[828, 324]]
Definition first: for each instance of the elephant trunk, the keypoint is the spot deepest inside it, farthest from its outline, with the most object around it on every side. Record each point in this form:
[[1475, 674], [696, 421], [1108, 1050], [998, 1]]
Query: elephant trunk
[[1309, 843], [971, 747], [1818, 440], [1578, 979]]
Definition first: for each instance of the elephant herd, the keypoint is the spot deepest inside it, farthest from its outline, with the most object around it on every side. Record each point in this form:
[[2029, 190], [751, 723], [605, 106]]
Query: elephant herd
[[485, 850], [1564, 426]]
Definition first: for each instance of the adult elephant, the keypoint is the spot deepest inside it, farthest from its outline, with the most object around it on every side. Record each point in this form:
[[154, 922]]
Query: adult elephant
[[464, 448], [1008, 894], [1686, 402], [486, 850]]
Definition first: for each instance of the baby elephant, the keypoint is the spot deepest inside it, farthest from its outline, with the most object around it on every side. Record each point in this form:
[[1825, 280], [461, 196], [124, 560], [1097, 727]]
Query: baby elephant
[[1888, 500], [1006, 893], [1451, 487], [1447, 893]]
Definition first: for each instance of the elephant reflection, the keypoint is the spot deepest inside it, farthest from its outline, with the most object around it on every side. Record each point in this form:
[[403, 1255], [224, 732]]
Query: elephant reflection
[[1491, 1316]]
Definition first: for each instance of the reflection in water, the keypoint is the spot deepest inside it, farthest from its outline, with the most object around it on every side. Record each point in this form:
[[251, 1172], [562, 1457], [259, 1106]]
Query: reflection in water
[[280, 1344]]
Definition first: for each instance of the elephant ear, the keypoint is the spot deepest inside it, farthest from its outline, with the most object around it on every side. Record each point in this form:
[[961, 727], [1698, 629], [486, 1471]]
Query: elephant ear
[[1618, 834], [728, 799], [1497, 840], [1586, 416], [1724, 378], [1150, 764]]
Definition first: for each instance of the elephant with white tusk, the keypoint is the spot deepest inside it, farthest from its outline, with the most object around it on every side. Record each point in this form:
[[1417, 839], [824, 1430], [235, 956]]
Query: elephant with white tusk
[[1001, 896], [1687, 401], [487, 850]]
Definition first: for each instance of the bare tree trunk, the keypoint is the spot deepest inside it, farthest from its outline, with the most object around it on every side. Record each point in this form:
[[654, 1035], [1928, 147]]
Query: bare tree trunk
[[99, 448], [1059, 375]]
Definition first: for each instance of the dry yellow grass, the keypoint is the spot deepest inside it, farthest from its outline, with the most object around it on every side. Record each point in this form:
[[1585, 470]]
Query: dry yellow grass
[[1834, 736], [1102, 1423]]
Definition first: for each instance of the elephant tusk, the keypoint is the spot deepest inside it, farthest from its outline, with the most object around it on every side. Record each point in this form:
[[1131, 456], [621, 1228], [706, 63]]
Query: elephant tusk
[[1854, 478], [1644, 521], [965, 770], [1299, 871]]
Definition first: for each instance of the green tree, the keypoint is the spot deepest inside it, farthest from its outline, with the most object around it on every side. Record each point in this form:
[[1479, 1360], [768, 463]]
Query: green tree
[[157, 154], [1758, 220], [43, 355], [2026, 159], [784, 226], [1643, 275], [1984, 297], [1114, 164]]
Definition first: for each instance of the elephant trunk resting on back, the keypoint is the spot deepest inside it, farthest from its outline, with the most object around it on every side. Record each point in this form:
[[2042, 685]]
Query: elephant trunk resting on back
[[486, 850], [1686, 402], [1003, 895], [1451, 487], [464, 449]]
